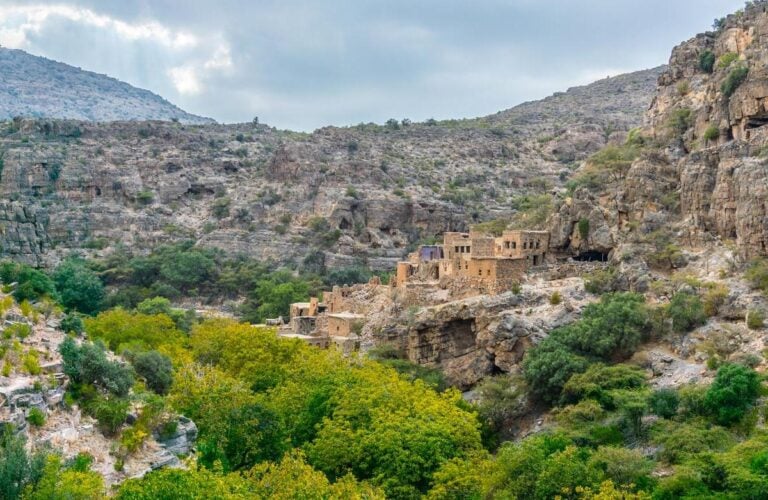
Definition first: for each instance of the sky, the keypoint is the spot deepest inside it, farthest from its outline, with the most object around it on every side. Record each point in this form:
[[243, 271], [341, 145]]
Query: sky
[[301, 64]]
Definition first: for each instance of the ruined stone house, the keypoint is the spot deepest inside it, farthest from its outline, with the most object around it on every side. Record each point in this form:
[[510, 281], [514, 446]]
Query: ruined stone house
[[325, 323], [490, 264]]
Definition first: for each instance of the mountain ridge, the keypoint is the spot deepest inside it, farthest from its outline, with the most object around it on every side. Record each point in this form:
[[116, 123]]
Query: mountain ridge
[[34, 86]]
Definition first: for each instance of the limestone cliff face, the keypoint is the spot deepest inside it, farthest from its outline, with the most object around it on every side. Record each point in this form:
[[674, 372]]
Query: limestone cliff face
[[723, 179], [358, 195], [704, 173]]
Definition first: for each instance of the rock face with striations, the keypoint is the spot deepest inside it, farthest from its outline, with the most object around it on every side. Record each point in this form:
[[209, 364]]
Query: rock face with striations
[[723, 176], [705, 174]]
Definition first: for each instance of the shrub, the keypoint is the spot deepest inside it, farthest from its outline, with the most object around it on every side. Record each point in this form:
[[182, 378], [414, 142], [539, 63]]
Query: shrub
[[686, 311], [684, 88], [664, 403], [583, 228], [392, 124], [18, 330], [623, 466], [757, 274], [755, 319], [732, 394], [133, 438], [556, 298], [734, 79], [681, 440], [352, 192], [31, 363], [72, 323], [110, 412], [36, 417], [220, 208], [601, 281], [79, 287], [145, 197], [155, 369], [727, 59], [88, 364], [31, 284], [707, 61], [711, 133], [714, 298], [600, 380], [680, 121]]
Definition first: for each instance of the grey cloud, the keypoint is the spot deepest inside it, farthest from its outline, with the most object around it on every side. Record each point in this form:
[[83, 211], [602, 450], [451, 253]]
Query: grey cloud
[[304, 64]]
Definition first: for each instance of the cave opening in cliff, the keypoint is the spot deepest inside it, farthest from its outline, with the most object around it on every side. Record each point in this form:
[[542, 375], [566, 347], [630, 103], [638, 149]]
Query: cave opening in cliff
[[459, 335], [757, 121], [592, 256]]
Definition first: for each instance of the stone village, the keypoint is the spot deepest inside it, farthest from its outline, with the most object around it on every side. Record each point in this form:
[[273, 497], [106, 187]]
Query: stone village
[[466, 264]]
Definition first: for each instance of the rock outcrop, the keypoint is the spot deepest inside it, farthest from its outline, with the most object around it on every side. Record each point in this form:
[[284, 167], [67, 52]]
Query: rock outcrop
[[471, 338], [721, 115]]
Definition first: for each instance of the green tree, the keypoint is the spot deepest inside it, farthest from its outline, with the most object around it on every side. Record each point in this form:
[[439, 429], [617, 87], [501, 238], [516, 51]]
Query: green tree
[[392, 432], [18, 468], [686, 311], [733, 393], [155, 369], [80, 288], [757, 274], [564, 471], [548, 366], [59, 482], [518, 466], [664, 403], [88, 364], [179, 484], [31, 284], [72, 323], [273, 296], [612, 327], [118, 327]]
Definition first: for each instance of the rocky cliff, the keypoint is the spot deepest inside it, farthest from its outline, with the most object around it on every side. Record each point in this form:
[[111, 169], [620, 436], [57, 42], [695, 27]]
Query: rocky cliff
[[342, 196], [34, 86], [701, 170]]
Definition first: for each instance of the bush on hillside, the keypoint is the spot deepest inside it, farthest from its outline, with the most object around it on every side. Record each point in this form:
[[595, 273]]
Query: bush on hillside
[[733, 393], [155, 369], [88, 364], [79, 288]]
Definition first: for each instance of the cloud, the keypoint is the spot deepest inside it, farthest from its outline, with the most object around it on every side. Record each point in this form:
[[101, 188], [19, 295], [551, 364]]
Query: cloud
[[19, 24], [304, 64], [35, 17]]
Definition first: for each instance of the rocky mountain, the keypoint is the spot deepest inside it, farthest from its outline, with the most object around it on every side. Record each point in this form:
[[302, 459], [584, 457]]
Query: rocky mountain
[[32, 86], [336, 197], [698, 169]]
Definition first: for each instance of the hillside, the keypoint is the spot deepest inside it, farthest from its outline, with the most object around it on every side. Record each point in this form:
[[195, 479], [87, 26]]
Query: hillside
[[343, 196], [620, 351], [32, 86]]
